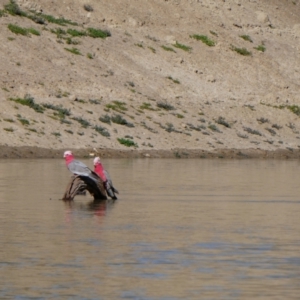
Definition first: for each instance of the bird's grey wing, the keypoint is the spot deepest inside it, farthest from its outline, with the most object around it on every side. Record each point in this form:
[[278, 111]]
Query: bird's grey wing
[[79, 168], [110, 181]]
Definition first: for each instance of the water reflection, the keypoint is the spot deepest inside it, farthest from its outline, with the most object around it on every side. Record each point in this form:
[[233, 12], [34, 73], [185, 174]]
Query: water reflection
[[182, 229]]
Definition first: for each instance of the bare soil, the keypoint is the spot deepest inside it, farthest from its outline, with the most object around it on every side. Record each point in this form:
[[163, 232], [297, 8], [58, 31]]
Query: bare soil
[[178, 96]]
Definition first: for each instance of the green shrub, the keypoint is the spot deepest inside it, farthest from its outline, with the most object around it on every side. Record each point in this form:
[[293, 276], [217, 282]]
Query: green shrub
[[69, 131], [213, 127], [168, 49], [98, 33], [272, 131], [23, 121], [17, 29], [74, 51], [261, 48], [95, 101], [28, 101], [294, 108], [75, 32], [262, 120], [57, 134], [146, 106], [2, 13], [276, 126], [169, 127], [127, 142], [242, 51], [118, 119], [61, 111], [222, 121], [33, 31], [105, 119], [179, 116], [174, 80], [84, 123], [152, 49], [204, 39], [9, 120], [164, 105], [246, 38], [59, 32], [60, 21], [102, 130], [252, 131], [182, 47], [117, 106], [10, 129], [13, 9], [90, 55]]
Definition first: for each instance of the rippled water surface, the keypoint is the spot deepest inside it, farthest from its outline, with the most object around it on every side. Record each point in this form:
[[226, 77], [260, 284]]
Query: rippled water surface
[[181, 229]]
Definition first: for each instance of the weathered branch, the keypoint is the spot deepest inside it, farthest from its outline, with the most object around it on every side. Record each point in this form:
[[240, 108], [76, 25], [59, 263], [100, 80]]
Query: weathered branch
[[79, 184]]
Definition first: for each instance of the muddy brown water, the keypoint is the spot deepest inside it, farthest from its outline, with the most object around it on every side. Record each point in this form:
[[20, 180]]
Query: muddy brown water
[[181, 229]]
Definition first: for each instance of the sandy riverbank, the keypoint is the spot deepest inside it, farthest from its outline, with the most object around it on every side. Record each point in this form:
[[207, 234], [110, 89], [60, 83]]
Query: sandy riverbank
[[36, 152]]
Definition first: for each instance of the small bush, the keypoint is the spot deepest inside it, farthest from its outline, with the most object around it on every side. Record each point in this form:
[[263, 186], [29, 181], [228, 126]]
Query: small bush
[[84, 123], [33, 31], [76, 33], [294, 108], [170, 127], [182, 47], [242, 51], [95, 101], [59, 32], [146, 106], [213, 127], [168, 49], [59, 21], [276, 126], [117, 106], [261, 48], [179, 116], [102, 130], [23, 121], [69, 131], [272, 131], [118, 119], [204, 39], [74, 51], [174, 80], [127, 142], [61, 111], [28, 101], [223, 122], [98, 33], [164, 105], [90, 55], [10, 129], [252, 131], [13, 9], [105, 119], [57, 134], [262, 120], [17, 29], [246, 38]]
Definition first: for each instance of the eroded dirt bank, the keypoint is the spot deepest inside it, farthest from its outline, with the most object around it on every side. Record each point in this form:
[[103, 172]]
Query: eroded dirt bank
[[36, 152]]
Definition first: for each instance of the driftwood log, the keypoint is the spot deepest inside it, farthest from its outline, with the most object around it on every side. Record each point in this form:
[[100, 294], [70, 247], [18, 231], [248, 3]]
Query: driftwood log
[[79, 184]]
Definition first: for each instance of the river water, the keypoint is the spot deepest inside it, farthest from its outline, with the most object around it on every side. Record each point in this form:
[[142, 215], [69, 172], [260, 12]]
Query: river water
[[181, 229]]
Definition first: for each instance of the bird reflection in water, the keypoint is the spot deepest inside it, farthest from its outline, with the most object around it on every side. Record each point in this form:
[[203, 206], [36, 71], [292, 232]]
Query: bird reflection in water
[[98, 208]]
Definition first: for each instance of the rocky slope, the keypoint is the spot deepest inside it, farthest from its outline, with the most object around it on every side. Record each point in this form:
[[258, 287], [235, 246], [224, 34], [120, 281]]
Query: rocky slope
[[154, 82]]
